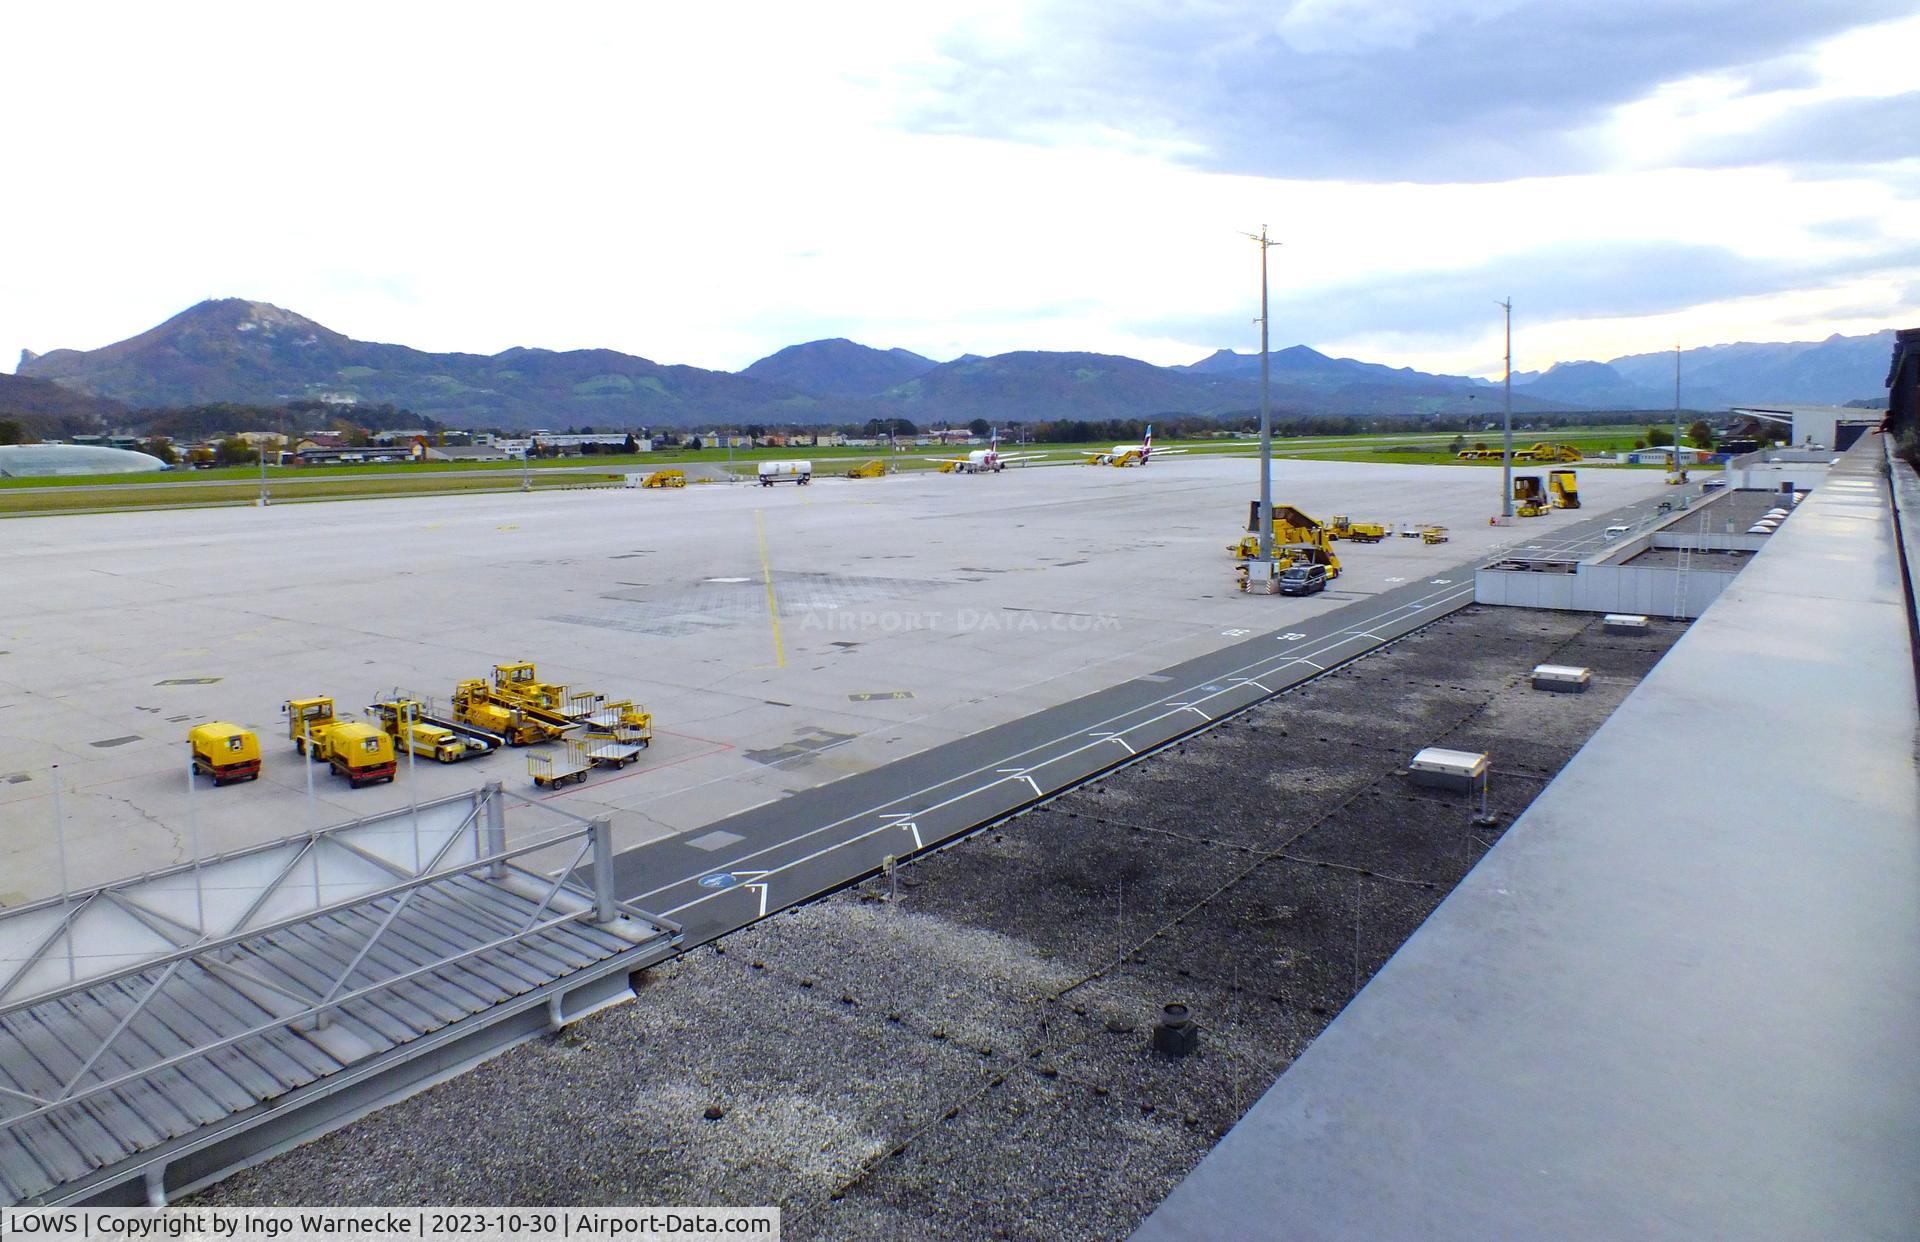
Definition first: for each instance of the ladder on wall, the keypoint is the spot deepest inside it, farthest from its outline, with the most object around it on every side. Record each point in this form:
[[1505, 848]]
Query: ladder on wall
[[1682, 568]]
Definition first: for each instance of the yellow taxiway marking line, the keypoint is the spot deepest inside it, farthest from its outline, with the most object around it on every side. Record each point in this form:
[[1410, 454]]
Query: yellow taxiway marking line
[[766, 576]]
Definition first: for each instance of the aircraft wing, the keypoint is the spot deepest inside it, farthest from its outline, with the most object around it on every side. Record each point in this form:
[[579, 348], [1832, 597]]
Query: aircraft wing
[[1160, 452], [948, 461], [1016, 457]]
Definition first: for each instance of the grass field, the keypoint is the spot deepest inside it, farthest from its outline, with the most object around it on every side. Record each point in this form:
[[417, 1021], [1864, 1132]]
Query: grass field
[[195, 495], [239, 485]]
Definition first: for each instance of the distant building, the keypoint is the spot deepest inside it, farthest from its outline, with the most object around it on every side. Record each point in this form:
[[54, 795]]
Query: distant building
[[602, 441], [463, 452], [1823, 426], [345, 456], [1661, 455]]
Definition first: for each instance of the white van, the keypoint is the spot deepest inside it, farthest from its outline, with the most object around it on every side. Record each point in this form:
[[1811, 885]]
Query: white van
[[1614, 532], [772, 472]]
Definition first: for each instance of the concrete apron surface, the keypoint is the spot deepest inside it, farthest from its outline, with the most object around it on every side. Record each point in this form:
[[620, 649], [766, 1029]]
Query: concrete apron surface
[[784, 638]]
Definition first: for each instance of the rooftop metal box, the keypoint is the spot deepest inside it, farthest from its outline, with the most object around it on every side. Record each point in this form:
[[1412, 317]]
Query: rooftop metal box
[[1623, 623], [1561, 678], [1438, 768]]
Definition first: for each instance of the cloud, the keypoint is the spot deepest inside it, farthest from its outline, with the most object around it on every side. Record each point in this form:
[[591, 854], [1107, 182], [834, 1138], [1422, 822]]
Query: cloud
[[647, 178], [1621, 279], [1831, 134], [1420, 90]]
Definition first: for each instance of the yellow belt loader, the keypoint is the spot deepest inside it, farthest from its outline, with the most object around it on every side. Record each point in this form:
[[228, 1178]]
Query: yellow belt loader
[[417, 731], [665, 478], [868, 470], [475, 707], [518, 685]]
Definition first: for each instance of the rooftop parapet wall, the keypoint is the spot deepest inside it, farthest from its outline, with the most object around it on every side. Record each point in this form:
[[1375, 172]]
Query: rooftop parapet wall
[[1678, 1000]]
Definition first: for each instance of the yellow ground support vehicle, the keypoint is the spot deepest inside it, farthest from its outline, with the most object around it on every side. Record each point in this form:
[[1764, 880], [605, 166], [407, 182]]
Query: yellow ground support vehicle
[[403, 721], [1564, 487], [225, 751], [431, 720], [1359, 532], [518, 686], [1434, 534], [1287, 555], [1290, 526], [666, 478], [868, 470], [1529, 497], [359, 752], [622, 722], [1541, 451], [475, 706]]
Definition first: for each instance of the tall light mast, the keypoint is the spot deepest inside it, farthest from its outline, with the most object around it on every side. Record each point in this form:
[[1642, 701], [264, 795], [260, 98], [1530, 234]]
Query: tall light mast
[[1265, 516], [1506, 419]]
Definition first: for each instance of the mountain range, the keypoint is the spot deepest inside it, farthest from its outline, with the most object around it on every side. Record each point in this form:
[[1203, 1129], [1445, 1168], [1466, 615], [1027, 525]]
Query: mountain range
[[232, 350]]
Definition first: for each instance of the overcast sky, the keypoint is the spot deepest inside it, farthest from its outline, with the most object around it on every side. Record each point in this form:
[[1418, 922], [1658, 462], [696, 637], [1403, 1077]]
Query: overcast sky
[[708, 183]]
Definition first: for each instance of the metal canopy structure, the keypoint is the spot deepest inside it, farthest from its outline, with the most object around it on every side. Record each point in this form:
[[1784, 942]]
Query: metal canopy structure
[[144, 1019]]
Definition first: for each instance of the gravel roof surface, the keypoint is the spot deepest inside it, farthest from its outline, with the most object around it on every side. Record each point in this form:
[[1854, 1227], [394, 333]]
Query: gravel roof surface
[[971, 1058]]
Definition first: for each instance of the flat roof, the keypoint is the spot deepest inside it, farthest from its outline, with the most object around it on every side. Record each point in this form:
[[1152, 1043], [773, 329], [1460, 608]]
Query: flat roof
[[1677, 1000], [968, 1055]]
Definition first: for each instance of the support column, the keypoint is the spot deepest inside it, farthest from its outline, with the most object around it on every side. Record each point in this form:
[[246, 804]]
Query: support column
[[605, 908], [496, 832]]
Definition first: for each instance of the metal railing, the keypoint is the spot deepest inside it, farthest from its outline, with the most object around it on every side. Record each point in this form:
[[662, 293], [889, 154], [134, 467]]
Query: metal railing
[[474, 849]]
